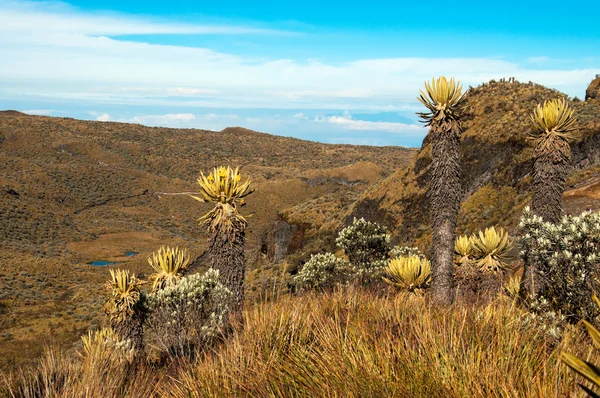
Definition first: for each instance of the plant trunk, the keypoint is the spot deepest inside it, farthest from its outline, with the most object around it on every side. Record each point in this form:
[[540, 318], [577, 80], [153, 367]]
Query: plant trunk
[[132, 330], [226, 254], [549, 176], [444, 195]]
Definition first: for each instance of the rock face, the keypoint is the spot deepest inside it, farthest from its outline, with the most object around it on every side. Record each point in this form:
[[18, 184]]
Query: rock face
[[280, 239], [593, 90]]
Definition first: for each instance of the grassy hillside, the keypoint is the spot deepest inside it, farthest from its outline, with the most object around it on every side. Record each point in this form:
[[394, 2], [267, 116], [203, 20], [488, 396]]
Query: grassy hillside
[[74, 191], [350, 343]]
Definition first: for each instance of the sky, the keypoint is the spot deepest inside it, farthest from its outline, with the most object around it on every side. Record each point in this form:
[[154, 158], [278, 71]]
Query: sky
[[336, 72]]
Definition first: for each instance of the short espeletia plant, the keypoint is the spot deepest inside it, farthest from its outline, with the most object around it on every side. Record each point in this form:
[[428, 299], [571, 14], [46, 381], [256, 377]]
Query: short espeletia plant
[[367, 246], [323, 272], [409, 273], [188, 316]]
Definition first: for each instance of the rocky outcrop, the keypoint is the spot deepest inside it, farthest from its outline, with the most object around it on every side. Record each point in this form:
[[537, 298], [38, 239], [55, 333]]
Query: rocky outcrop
[[593, 90], [280, 239]]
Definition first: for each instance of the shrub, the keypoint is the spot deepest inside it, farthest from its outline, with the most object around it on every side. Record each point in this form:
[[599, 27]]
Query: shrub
[[189, 315], [566, 257], [411, 273], [170, 264], [322, 272], [367, 245], [405, 251]]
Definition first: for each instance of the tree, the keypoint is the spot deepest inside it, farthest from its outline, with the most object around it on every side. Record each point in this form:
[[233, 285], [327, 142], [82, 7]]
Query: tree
[[444, 101], [554, 123], [226, 228]]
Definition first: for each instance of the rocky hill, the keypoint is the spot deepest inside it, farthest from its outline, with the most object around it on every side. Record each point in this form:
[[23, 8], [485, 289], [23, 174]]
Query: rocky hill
[[497, 165]]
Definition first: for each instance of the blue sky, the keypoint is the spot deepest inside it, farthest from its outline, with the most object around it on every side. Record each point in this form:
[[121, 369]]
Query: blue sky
[[339, 72]]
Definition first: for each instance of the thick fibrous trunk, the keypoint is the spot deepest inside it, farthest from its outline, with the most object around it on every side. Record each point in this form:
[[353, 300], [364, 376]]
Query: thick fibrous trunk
[[132, 330], [226, 254], [444, 197], [549, 176]]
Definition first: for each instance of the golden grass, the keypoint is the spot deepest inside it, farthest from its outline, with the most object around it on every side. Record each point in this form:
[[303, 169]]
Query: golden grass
[[352, 343]]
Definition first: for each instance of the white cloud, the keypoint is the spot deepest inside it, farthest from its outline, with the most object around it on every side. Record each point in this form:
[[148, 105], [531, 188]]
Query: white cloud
[[105, 117], [58, 17], [81, 62], [170, 119], [348, 123], [43, 112]]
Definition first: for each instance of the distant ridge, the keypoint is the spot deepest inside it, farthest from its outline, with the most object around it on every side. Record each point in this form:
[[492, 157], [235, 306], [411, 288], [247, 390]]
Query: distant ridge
[[12, 112]]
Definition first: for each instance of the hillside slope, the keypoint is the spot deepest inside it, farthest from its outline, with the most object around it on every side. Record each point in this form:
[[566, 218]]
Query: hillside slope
[[75, 191]]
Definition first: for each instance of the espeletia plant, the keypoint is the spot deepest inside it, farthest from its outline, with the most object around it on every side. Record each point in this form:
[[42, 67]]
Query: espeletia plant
[[189, 315], [125, 308], [409, 273], [367, 246], [566, 255], [323, 272]]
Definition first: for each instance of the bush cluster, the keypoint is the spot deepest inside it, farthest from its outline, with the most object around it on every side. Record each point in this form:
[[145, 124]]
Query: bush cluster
[[567, 258], [189, 314], [367, 246], [322, 272]]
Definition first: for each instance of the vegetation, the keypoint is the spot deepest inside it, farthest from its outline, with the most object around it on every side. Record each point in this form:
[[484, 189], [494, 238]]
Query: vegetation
[[554, 123], [444, 101], [367, 245], [169, 265], [586, 369], [404, 251], [125, 307], [410, 273], [464, 250], [352, 339], [567, 257], [187, 317], [346, 343], [323, 272], [227, 228], [491, 248]]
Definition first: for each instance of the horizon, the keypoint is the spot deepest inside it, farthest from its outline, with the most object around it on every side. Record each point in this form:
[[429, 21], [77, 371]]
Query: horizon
[[326, 72]]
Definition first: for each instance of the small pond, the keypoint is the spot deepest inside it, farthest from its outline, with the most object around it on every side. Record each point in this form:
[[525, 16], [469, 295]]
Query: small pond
[[101, 263], [131, 254]]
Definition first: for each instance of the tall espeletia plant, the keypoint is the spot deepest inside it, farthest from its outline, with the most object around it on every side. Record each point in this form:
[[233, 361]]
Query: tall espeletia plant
[[226, 228], [554, 123], [444, 101]]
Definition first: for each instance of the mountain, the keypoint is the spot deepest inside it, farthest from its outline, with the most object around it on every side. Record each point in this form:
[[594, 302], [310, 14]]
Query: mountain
[[72, 192]]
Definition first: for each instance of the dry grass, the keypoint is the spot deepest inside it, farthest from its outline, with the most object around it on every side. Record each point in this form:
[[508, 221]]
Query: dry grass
[[353, 343]]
